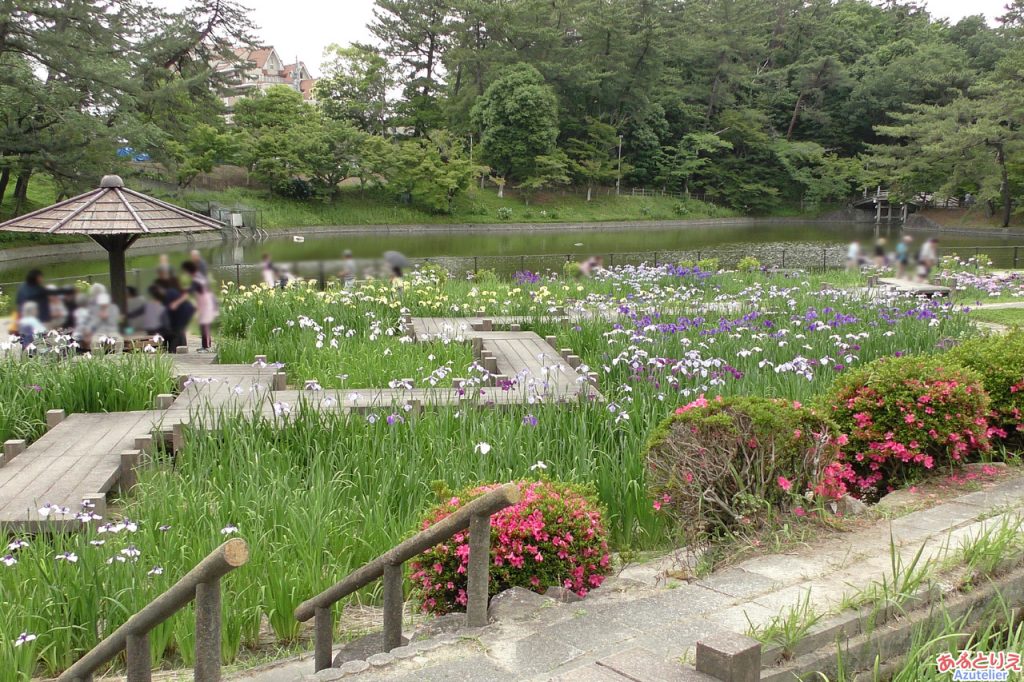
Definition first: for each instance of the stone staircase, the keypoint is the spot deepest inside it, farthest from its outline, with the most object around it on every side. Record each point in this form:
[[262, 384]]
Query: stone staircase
[[645, 626]]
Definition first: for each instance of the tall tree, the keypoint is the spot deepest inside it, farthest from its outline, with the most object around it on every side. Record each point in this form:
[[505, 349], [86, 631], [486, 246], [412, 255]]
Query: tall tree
[[354, 86], [518, 121], [592, 156], [416, 34]]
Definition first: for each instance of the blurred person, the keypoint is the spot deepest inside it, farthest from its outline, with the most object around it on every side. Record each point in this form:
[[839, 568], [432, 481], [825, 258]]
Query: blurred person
[[105, 325], [347, 274], [269, 271], [32, 290], [165, 276], [135, 308], [81, 319], [880, 257], [206, 303], [903, 255], [927, 258], [180, 312], [156, 319], [59, 316], [29, 325], [853, 256], [590, 265], [195, 257]]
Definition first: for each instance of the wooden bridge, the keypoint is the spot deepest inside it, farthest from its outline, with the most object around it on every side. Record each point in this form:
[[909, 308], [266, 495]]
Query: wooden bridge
[[882, 203], [61, 481]]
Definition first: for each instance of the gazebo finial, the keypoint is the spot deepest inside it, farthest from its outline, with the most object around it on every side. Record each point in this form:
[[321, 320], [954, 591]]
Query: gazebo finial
[[111, 181]]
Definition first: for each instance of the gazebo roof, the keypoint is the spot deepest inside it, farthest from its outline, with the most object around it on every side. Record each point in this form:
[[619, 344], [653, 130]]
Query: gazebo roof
[[111, 209]]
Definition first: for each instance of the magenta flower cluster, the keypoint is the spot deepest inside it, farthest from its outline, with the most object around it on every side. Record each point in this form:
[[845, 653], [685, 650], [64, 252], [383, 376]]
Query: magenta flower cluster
[[554, 536]]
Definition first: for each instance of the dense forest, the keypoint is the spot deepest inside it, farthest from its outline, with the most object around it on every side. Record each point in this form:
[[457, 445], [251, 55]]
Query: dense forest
[[756, 104]]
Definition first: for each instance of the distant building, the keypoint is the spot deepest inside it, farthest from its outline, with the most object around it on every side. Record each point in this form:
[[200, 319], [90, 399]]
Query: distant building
[[263, 69]]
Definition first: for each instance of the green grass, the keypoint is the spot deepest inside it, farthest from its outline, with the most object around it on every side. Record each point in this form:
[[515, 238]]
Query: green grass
[[1009, 317], [377, 207], [30, 387]]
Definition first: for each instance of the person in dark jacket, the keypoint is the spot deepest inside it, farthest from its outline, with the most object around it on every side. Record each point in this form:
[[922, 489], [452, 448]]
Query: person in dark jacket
[[33, 290]]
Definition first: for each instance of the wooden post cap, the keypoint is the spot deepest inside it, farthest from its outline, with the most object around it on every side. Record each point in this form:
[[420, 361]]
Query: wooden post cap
[[236, 552]]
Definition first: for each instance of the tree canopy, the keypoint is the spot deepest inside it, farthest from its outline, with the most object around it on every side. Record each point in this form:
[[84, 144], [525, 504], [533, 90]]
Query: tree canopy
[[756, 104]]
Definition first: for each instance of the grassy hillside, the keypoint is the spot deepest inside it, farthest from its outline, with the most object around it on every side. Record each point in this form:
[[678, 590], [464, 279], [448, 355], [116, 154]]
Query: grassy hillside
[[353, 207]]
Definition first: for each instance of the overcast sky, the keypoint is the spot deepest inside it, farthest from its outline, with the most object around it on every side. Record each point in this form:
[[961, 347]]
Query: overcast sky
[[305, 27]]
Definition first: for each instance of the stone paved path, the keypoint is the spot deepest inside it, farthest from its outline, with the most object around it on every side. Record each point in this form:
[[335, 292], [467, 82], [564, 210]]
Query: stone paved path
[[643, 626]]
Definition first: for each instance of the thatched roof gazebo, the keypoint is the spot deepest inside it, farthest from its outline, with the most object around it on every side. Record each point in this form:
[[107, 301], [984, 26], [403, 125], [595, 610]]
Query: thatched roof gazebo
[[114, 217]]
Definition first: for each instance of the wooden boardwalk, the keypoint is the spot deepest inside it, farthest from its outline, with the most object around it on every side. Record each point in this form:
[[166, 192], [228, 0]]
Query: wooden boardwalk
[[84, 456], [907, 286], [81, 458]]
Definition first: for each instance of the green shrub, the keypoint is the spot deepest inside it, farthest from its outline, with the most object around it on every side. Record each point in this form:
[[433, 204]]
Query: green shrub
[[903, 416], [704, 264], [716, 465], [434, 272], [999, 361], [646, 211], [708, 264], [504, 213], [748, 264], [680, 208], [486, 276], [572, 270], [554, 536]]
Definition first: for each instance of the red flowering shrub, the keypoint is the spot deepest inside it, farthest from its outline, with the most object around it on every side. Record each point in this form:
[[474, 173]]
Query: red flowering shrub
[[720, 464], [554, 536], [999, 360], [904, 416]]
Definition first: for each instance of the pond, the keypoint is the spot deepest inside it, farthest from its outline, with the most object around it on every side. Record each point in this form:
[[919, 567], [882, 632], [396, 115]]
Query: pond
[[778, 244]]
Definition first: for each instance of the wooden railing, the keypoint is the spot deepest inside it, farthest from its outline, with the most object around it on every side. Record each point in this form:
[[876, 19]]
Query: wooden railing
[[476, 516], [202, 583]]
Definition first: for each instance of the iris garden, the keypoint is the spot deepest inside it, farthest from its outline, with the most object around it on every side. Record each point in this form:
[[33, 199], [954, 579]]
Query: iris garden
[[317, 494]]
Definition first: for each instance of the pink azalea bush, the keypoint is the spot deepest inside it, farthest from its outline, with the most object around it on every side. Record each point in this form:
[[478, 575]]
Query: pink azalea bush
[[903, 417], [720, 464], [999, 361], [554, 536]]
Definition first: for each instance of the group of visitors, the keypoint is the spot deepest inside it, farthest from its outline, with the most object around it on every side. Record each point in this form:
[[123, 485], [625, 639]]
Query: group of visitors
[[172, 304], [924, 261], [95, 321], [91, 317]]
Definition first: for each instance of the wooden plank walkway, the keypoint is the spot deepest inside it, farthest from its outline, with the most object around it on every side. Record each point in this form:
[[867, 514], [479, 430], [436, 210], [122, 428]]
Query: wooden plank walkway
[[84, 456], [78, 459], [915, 288]]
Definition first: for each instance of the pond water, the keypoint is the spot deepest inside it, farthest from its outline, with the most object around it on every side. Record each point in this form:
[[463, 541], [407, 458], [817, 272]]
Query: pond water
[[793, 245]]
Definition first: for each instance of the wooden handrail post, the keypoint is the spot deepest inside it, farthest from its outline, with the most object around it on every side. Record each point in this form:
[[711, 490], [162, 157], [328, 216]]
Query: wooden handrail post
[[488, 504], [137, 658], [132, 636], [207, 667], [324, 638], [478, 571], [394, 606]]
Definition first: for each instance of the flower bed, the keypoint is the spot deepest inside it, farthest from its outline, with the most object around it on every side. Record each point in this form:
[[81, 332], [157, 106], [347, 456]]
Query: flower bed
[[554, 536], [656, 338], [904, 416]]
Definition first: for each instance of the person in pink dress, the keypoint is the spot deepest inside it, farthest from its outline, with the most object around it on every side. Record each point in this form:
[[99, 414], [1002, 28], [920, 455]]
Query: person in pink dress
[[206, 303]]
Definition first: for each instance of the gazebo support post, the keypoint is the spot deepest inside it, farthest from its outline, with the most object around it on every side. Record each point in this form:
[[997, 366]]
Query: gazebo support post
[[116, 245]]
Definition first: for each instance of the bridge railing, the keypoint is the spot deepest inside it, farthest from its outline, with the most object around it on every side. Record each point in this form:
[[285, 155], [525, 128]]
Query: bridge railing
[[476, 516], [202, 584]]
